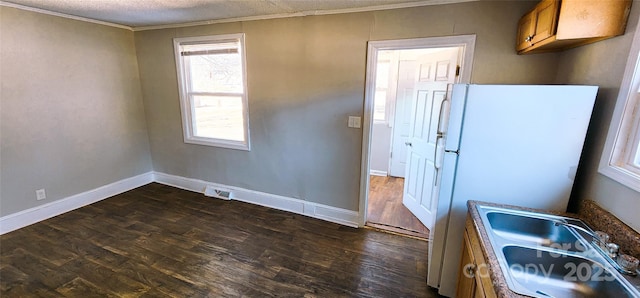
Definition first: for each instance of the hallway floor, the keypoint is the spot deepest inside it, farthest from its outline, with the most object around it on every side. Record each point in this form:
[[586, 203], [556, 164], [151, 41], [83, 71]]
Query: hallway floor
[[386, 212]]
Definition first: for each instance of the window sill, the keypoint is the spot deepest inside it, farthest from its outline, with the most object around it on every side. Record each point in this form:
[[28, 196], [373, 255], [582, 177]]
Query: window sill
[[218, 143], [622, 176]]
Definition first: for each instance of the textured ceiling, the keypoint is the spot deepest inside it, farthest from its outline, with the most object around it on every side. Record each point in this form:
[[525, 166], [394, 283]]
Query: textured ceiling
[[141, 13]]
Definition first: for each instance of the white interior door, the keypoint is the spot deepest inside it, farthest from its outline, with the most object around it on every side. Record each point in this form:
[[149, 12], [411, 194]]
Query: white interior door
[[424, 146], [402, 117]]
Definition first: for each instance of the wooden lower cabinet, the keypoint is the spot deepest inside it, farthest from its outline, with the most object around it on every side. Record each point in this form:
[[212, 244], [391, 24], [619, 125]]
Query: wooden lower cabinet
[[466, 284], [473, 275]]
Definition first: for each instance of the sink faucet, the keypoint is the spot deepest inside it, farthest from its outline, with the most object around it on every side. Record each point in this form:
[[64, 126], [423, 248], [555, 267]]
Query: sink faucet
[[610, 248], [595, 237], [607, 249]]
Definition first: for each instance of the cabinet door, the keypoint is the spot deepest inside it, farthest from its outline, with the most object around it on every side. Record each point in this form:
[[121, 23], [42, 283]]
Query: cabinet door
[[466, 278], [526, 30], [479, 293], [592, 19], [546, 17]]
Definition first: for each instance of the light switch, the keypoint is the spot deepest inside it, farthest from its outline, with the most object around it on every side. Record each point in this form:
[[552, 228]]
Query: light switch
[[354, 122]]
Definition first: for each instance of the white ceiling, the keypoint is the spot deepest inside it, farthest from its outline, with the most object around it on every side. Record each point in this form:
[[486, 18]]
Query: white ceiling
[[147, 13]]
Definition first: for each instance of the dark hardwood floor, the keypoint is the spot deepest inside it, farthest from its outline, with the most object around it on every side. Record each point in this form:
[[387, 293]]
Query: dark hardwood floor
[[160, 241], [385, 210]]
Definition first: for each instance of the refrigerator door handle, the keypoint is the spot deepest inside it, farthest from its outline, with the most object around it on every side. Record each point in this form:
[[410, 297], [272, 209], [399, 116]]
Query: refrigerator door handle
[[442, 114], [440, 130], [436, 163]]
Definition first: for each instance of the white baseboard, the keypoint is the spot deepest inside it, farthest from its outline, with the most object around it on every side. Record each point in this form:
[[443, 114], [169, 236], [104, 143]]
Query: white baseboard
[[315, 210], [33, 215], [377, 173]]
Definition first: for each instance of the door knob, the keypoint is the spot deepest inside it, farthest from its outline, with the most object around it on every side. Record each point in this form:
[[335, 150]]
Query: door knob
[[470, 270], [408, 144]]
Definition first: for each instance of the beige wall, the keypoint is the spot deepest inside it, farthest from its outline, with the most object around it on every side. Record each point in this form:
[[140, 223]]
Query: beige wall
[[71, 108], [72, 117], [602, 63], [305, 76]]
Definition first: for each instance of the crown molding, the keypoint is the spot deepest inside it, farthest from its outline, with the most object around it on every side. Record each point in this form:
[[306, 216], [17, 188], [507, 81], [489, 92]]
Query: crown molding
[[63, 15], [239, 19], [303, 14]]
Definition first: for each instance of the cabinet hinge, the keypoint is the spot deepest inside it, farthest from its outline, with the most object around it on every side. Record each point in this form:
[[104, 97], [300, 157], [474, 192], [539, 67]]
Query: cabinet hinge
[[457, 70]]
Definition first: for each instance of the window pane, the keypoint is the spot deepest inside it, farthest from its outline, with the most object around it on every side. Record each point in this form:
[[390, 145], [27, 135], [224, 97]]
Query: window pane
[[213, 91], [218, 117], [216, 73], [382, 75], [379, 104]]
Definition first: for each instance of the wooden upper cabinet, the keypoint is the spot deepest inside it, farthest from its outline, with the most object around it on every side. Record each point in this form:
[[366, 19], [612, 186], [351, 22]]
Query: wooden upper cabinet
[[546, 15], [526, 30], [555, 25]]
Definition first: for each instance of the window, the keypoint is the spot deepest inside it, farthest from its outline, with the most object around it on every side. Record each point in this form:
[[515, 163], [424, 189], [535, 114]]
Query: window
[[382, 88], [621, 157], [213, 90]]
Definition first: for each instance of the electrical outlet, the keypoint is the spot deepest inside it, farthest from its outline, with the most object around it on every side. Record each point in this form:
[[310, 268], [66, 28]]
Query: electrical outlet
[[354, 122], [40, 194]]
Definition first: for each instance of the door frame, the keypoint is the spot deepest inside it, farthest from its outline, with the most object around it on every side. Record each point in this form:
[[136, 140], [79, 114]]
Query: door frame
[[467, 45]]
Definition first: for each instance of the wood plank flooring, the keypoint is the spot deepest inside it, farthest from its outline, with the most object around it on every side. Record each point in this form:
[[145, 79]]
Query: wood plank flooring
[[160, 241], [385, 210]]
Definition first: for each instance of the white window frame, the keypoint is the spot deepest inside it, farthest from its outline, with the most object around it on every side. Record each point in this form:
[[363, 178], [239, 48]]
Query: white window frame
[[387, 91], [616, 161], [185, 103]]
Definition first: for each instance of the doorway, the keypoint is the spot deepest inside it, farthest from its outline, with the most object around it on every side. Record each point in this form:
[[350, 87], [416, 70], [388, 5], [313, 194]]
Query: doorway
[[407, 83], [397, 74]]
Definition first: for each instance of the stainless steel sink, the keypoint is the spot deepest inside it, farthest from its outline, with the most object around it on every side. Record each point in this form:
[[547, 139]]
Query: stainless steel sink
[[558, 275], [540, 231], [542, 258]]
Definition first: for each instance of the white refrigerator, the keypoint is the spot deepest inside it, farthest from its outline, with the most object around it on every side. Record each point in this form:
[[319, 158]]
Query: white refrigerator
[[511, 144]]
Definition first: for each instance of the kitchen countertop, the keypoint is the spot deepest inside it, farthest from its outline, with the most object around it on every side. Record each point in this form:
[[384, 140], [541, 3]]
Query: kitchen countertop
[[627, 238]]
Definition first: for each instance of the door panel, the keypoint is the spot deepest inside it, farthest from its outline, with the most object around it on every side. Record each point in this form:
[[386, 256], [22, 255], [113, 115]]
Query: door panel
[[421, 114], [415, 170], [424, 142], [402, 118]]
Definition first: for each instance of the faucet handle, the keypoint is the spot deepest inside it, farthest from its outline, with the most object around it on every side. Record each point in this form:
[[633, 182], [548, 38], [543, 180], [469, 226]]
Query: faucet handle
[[603, 238], [612, 250], [628, 262]]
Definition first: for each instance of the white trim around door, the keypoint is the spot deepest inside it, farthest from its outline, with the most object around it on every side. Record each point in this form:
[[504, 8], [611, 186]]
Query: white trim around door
[[467, 45]]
